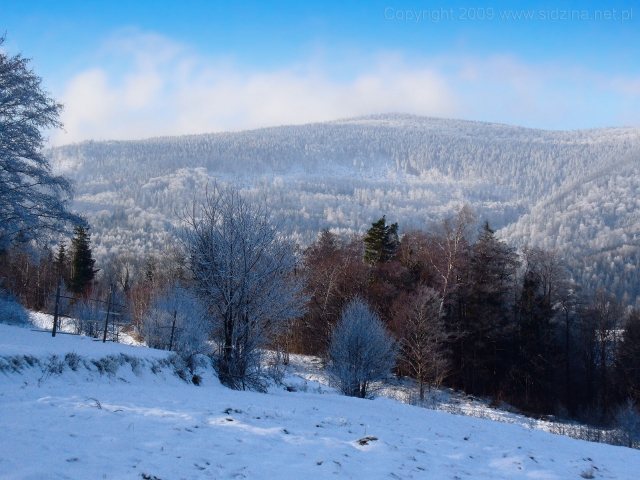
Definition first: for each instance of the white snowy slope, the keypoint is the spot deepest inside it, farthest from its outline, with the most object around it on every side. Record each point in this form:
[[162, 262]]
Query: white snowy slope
[[134, 423]]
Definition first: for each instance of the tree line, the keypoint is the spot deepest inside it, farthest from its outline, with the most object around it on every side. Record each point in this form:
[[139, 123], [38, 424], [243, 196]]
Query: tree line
[[462, 308], [470, 312]]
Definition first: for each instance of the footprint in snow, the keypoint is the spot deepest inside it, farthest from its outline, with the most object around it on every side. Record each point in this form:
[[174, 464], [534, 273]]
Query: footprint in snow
[[366, 440]]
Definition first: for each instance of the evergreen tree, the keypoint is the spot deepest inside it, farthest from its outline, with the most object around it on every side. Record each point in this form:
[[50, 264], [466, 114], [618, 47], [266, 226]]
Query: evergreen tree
[[599, 329], [61, 262], [82, 261], [326, 243], [381, 242], [61, 257], [485, 311], [534, 365]]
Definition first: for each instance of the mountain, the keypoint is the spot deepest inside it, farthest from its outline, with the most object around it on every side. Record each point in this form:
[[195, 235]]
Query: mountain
[[574, 190]]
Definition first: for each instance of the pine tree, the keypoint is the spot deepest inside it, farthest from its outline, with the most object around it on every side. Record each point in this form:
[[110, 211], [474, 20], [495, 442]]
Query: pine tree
[[381, 242], [82, 261], [61, 262], [485, 312]]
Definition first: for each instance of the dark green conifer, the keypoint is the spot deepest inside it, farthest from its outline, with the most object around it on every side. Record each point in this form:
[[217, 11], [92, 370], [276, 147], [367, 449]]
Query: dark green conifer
[[82, 260], [381, 242], [61, 261]]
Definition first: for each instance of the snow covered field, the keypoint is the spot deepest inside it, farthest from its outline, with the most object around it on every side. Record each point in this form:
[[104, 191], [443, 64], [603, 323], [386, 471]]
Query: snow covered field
[[124, 413]]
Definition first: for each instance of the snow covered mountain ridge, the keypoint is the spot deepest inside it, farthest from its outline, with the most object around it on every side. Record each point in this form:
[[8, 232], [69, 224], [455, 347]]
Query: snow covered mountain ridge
[[574, 190]]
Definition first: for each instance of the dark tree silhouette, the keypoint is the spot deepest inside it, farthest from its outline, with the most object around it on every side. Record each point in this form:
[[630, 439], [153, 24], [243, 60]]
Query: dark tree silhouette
[[82, 260]]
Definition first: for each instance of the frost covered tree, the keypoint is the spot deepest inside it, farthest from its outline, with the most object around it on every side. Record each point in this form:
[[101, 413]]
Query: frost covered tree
[[83, 313], [361, 350], [244, 272], [32, 199], [11, 311], [176, 321]]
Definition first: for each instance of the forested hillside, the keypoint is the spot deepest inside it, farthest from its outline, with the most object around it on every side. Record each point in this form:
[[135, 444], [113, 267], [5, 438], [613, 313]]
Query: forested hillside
[[573, 190], [596, 223]]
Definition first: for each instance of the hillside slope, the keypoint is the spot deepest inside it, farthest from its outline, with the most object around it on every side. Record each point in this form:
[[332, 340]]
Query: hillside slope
[[596, 223], [129, 422]]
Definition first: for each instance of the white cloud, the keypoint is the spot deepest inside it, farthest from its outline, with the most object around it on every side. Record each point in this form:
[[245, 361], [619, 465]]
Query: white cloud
[[146, 85]]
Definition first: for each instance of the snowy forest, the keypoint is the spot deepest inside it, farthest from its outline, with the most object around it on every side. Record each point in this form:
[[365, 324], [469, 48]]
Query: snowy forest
[[575, 191]]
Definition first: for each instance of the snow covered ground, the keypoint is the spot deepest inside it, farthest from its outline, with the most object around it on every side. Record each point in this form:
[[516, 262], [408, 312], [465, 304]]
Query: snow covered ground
[[125, 413]]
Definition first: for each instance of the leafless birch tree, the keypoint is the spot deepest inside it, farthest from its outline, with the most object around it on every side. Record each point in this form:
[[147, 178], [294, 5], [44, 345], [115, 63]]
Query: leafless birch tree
[[423, 351]]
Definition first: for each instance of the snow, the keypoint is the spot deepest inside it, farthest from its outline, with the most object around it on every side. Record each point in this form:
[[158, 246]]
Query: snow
[[44, 321], [133, 423], [40, 343]]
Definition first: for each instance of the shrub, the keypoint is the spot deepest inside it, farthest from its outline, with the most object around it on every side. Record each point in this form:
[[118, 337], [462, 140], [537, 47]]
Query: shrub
[[11, 312], [361, 351]]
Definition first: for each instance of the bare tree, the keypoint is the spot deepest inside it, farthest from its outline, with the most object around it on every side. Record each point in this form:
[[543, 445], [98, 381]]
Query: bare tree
[[324, 266], [335, 273], [244, 272], [569, 302], [550, 271], [424, 353], [83, 313], [446, 246], [361, 350], [122, 270], [599, 332], [628, 358]]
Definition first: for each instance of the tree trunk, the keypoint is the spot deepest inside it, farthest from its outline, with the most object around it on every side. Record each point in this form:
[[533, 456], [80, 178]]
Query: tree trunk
[[566, 361]]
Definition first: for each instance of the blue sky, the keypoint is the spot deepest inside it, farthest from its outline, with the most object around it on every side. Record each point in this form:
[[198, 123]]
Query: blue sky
[[140, 69]]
